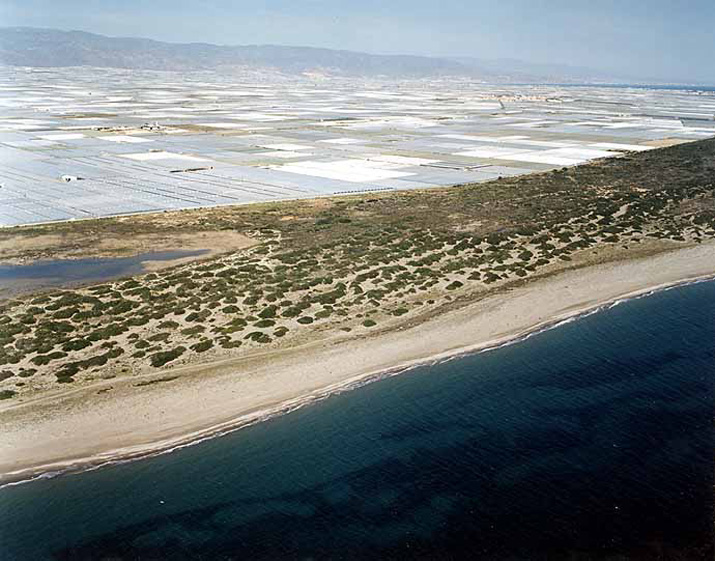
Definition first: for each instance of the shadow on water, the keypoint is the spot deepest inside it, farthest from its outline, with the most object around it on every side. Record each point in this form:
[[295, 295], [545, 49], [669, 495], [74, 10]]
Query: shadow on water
[[69, 272]]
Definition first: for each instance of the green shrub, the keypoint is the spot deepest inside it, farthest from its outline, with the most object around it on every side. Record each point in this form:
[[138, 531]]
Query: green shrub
[[129, 284], [55, 327], [280, 331], [65, 313], [159, 337], [258, 337], [68, 370], [41, 360], [305, 320], [268, 312], [76, 345], [122, 307], [369, 323], [163, 357], [195, 330], [198, 316], [291, 312], [202, 346], [112, 330]]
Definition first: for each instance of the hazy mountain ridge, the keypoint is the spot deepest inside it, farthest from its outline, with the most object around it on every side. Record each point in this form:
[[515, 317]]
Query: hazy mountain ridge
[[54, 48], [45, 47]]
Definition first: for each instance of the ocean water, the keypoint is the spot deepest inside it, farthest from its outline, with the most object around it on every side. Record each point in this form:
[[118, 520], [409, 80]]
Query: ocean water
[[590, 441]]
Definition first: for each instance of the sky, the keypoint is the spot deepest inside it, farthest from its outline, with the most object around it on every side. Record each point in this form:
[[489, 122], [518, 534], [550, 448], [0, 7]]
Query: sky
[[660, 39]]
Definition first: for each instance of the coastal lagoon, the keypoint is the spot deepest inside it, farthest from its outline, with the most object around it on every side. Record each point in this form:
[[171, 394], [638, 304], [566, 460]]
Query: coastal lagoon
[[587, 441], [70, 272]]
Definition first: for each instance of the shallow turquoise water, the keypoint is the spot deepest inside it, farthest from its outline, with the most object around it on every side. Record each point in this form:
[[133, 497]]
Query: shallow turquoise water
[[585, 442]]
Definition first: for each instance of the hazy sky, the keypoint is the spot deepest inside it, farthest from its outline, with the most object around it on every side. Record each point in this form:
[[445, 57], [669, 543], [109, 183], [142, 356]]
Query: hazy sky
[[665, 39]]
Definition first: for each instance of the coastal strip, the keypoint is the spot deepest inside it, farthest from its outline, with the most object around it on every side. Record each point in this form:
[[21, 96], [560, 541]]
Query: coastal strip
[[83, 430]]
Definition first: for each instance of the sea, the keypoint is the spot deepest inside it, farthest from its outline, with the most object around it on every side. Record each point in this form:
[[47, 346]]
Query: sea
[[593, 440]]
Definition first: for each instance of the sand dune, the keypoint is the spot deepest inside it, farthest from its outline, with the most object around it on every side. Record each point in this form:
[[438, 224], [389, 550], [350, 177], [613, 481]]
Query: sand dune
[[88, 426]]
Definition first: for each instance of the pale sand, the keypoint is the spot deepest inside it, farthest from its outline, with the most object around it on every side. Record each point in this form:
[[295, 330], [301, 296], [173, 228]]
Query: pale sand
[[84, 428], [23, 249]]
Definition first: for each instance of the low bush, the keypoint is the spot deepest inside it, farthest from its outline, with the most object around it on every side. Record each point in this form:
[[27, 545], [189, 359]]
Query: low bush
[[76, 345], [159, 337], [202, 346], [268, 312], [193, 330], [281, 331], [163, 357], [41, 360], [258, 337]]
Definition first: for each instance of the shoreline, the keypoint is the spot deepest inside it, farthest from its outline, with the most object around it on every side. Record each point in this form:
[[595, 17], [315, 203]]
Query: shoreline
[[555, 300]]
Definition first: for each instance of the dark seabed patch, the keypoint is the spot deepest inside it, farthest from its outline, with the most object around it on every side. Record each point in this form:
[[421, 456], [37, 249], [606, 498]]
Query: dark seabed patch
[[590, 441]]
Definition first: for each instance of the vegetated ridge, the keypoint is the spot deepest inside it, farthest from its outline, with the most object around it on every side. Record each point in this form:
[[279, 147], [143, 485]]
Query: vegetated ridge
[[345, 267]]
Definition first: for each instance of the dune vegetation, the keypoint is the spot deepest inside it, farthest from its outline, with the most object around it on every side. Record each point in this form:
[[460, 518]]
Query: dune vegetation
[[348, 266]]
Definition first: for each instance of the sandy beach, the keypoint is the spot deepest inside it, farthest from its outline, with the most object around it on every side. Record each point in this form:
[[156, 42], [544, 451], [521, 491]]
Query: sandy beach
[[87, 426]]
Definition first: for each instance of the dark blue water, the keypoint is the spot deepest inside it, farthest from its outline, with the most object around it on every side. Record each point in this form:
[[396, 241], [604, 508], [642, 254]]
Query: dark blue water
[[590, 441], [60, 272]]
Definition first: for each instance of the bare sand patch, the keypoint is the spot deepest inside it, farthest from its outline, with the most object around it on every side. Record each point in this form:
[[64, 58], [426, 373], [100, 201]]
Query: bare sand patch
[[664, 142], [24, 249]]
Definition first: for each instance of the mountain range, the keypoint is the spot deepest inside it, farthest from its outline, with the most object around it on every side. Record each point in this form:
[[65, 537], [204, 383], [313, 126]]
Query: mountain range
[[24, 46]]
